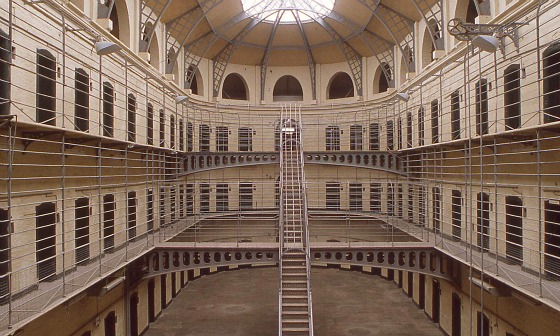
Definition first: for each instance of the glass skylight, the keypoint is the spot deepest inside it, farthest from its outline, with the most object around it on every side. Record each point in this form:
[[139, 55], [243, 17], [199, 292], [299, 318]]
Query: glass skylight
[[270, 10]]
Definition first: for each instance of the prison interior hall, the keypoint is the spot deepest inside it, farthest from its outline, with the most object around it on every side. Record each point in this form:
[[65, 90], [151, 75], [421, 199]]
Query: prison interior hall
[[150, 149]]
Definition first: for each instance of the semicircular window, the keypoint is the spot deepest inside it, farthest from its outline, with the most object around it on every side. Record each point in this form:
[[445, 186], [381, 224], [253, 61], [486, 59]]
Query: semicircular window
[[341, 86], [287, 88], [234, 87]]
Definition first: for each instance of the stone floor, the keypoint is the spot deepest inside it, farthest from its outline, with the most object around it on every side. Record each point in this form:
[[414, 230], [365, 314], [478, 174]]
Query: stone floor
[[245, 303]]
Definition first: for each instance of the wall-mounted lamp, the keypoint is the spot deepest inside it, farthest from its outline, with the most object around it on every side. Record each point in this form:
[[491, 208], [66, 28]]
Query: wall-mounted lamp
[[181, 99], [403, 96], [486, 43], [106, 47]]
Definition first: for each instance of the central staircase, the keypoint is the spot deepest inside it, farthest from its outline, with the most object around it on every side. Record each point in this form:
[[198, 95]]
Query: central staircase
[[295, 308]]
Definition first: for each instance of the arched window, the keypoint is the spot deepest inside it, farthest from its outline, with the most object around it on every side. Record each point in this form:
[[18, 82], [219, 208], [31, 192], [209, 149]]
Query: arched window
[[45, 240], [390, 135], [147, 34], [181, 135], [409, 130], [340, 86], [109, 207], [399, 133], [512, 97], [115, 21], [4, 255], [222, 134], [482, 324], [551, 83], [483, 221], [514, 229], [552, 239], [245, 196], [287, 88], [382, 78], [235, 87], [472, 13], [46, 87], [455, 115], [245, 139], [5, 75], [172, 132], [355, 196], [456, 214], [427, 49], [436, 209], [190, 137], [436, 300], [81, 233], [150, 124], [196, 82], [375, 191], [374, 136], [120, 19], [81, 100], [277, 136], [169, 65], [356, 137], [204, 197], [108, 109], [110, 324], [332, 138], [204, 138], [131, 115], [482, 107], [421, 126], [150, 209], [161, 128], [435, 121], [222, 197], [131, 215], [332, 199]]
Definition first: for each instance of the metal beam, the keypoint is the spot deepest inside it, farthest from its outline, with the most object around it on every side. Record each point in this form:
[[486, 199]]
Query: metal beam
[[310, 59], [266, 56]]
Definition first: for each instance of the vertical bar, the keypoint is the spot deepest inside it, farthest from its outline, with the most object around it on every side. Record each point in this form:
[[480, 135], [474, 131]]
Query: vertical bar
[[62, 212], [101, 206]]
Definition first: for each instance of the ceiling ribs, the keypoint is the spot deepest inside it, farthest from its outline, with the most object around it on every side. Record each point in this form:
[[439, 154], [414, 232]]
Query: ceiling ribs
[[310, 59], [266, 56]]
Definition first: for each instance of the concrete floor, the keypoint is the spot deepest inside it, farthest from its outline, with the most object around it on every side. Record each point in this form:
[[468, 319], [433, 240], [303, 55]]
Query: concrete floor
[[245, 303]]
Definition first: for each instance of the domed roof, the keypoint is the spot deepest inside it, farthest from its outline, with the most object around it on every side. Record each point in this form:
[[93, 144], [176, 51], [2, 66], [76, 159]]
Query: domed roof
[[291, 32]]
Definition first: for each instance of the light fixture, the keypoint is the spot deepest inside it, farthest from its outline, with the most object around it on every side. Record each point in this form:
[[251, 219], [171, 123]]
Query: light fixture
[[106, 47], [181, 99], [403, 96], [486, 43]]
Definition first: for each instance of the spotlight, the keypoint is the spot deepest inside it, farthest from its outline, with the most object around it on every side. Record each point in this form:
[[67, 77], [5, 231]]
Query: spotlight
[[181, 99], [403, 96], [486, 43], [106, 47]]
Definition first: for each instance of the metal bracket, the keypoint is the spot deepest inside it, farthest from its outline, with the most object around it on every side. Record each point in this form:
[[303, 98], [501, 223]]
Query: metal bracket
[[467, 31]]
